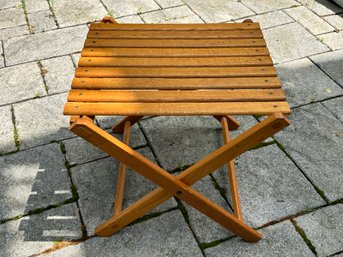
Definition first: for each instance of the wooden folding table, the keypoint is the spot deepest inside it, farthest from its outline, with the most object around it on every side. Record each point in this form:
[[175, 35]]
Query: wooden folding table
[[135, 70]]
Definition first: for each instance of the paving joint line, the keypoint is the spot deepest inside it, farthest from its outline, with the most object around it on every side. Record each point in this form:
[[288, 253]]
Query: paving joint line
[[333, 114], [51, 8], [194, 12], [3, 52], [15, 130], [303, 235], [23, 6], [43, 71]]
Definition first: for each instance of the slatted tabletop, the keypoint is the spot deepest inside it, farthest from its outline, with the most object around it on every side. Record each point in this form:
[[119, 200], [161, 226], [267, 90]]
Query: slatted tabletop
[[175, 69]]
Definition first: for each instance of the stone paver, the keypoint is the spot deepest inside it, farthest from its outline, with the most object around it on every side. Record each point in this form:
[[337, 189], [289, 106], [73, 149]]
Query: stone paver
[[323, 229], [271, 186], [44, 45], [169, 3], [72, 12], [335, 106], [334, 40], [11, 18], [279, 240], [6, 131], [40, 121], [20, 83], [270, 19], [335, 20], [80, 151], [309, 20], [321, 7], [315, 142], [180, 14], [166, 235], [304, 82], [58, 74], [13, 32], [332, 64], [33, 234], [41, 21], [76, 58], [286, 43], [268, 5], [96, 183], [36, 5], [205, 229], [218, 10], [128, 7], [32, 179]]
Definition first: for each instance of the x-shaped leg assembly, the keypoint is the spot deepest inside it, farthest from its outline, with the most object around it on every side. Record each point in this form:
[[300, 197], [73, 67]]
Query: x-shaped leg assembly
[[180, 185]]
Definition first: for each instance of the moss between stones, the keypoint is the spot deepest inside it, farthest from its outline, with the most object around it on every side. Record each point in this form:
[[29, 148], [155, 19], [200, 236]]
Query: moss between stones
[[214, 243], [303, 235], [183, 210]]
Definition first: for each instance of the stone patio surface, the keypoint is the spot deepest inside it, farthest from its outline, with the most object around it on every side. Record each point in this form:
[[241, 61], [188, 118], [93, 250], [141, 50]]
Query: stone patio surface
[[56, 188]]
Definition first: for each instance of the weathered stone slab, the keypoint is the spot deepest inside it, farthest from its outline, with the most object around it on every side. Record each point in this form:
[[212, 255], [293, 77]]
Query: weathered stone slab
[[36, 5], [13, 32], [334, 40], [323, 229], [271, 186], [335, 106], [96, 184], [40, 121], [309, 20], [130, 19], [32, 179], [33, 234], [286, 43], [41, 21], [72, 12], [315, 143], [43, 45], [80, 151], [332, 64], [268, 5], [20, 83], [218, 10], [58, 73], [166, 235], [335, 20], [179, 141], [11, 18], [6, 130], [128, 7], [181, 14], [304, 82], [205, 229], [321, 7], [271, 19], [169, 3], [279, 240]]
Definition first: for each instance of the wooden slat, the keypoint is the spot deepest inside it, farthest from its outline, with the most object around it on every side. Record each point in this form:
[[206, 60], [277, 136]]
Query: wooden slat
[[176, 34], [173, 52], [175, 62], [144, 109], [95, 72], [174, 43], [175, 83], [174, 27], [176, 96]]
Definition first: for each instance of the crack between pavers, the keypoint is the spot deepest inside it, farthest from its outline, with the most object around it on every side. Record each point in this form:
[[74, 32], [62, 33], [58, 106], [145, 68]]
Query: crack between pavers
[[194, 12], [336, 253], [302, 233], [15, 130], [43, 71], [51, 8], [185, 215], [316, 101], [3, 52], [222, 191], [23, 6], [74, 191]]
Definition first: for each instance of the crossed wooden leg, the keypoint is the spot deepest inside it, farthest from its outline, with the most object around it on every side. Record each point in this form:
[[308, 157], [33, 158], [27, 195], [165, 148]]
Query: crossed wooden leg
[[180, 185]]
